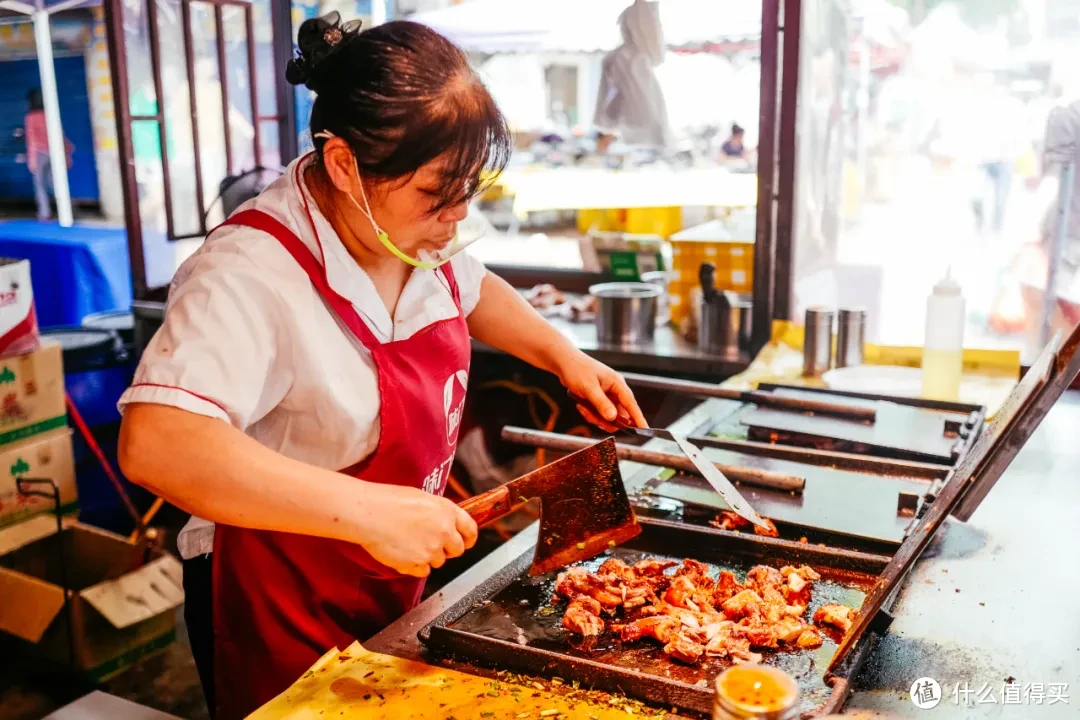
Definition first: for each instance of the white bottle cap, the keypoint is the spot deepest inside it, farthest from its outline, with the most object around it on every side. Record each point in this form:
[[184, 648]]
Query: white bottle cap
[[947, 286]]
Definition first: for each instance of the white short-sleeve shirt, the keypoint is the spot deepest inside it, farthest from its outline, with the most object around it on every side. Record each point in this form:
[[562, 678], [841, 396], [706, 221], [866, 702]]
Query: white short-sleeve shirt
[[248, 340]]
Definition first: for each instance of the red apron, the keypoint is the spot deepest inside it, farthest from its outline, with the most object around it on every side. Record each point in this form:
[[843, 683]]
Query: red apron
[[282, 600]]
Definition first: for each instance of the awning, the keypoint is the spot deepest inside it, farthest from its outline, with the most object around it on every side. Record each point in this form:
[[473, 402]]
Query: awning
[[494, 26]]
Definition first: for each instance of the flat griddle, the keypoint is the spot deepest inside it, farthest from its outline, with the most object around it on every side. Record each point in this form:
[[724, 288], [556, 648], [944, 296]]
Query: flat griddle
[[503, 622], [844, 502], [906, 428]]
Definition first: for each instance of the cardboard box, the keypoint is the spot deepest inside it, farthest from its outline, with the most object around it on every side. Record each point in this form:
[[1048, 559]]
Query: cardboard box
[[18, 322], [42, 457], [32, 393], [123, 600]]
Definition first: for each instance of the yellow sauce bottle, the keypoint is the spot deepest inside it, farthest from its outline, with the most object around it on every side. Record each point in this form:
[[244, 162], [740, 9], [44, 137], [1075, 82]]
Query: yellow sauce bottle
[[943, 348]]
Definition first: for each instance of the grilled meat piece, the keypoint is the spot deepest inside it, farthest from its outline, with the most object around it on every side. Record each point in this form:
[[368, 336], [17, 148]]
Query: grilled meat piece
[[789, 629], [652, 568], [728, 520], [583, 617], [744, 604], [614, 568], [658, 628], [684, 648], [762, 578], [681, 593], [726, 588], [576, 581], [839, 616], [697, 572], [809, 639]]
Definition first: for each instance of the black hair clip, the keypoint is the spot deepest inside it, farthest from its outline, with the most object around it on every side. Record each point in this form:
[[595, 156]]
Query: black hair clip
[[317, 40]]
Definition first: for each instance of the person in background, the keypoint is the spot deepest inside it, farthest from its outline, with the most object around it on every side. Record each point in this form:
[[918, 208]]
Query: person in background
[[37, 153], [733, 147]]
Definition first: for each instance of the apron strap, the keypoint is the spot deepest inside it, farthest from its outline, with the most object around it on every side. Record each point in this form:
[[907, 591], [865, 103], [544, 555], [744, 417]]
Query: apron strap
[[259, 220]]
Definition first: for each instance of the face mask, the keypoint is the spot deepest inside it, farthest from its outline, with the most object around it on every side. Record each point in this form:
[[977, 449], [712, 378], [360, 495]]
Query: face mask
[[468, 231]]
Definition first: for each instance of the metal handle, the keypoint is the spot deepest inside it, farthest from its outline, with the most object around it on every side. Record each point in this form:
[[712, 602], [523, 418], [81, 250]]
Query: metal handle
[[573, 443]]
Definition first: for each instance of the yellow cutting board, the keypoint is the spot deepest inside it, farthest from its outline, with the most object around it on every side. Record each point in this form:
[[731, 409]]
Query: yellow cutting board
[[361, 684]]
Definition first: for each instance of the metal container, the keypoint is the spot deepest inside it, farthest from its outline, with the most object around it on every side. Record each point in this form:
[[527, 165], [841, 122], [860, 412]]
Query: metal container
[[850, 337], [625, 312], [817, 342], [725, 323], [660, 278]]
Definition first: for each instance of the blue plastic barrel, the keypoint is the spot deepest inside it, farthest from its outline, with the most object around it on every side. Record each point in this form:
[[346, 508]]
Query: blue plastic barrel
[[97, 370], [121, 322]]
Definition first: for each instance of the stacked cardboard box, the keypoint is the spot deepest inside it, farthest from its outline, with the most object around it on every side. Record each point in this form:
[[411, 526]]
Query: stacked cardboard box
[[121, 596]]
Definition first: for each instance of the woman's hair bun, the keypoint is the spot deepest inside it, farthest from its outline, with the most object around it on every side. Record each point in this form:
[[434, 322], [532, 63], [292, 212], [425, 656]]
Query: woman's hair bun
[[317, 41]]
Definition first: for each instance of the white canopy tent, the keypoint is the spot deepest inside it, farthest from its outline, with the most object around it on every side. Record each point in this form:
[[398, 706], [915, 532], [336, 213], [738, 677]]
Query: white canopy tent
[[39, 14], [526, 26]]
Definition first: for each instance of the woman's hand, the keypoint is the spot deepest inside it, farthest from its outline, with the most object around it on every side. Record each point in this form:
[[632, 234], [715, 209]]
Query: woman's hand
[[413, 531], [609, 398]]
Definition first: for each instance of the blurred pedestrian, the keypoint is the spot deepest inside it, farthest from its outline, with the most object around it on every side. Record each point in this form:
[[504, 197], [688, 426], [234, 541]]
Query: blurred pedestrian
[[37, 153]]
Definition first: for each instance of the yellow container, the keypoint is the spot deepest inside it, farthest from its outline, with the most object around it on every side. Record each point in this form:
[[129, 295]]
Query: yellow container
[[662, 221], [601, 221], [733, 259]]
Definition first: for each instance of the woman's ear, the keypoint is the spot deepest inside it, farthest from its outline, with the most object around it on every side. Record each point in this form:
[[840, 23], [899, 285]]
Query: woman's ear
[[340, 164]]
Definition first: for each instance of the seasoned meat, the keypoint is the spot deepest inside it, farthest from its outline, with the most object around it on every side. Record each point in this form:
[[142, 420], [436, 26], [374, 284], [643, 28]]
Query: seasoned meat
[[583, 617], [763, 577], [839, 616], [657, 627], [576, 581], [692, 614], [684, 648], [789, 629], [652, 567], [681, 593], [809, 639], [726, 587], [742, 605], [728, 520]]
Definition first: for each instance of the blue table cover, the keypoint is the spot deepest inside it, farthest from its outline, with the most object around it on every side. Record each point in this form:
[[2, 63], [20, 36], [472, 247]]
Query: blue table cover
[[75, 271]]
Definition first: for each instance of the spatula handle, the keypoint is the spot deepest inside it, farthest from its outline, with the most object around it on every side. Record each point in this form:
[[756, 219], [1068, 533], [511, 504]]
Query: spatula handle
[[492, 505]]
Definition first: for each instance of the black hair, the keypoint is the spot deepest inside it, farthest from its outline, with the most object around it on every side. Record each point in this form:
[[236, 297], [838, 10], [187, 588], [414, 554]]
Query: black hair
[[736, 129], [401, 95], [34, 100]]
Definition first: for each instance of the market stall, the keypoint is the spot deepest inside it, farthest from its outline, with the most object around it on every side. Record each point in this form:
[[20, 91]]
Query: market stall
[[872, 516]]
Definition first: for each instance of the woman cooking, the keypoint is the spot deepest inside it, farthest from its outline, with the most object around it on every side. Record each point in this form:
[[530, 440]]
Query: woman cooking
[[302, 398]]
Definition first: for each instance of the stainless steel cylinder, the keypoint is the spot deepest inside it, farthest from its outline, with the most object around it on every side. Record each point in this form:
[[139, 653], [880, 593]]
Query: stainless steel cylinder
[[725, 324], [817, 343], [850, 337], [625, 312], [660, 279]]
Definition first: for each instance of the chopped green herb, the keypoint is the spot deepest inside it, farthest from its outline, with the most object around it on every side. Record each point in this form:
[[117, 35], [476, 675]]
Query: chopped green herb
[[547, 611], [523, 499], [493, 693]]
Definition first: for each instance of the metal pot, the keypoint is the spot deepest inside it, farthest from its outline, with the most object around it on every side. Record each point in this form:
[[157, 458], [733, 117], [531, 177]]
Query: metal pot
[[660, 279], [726, 323], [625, 312]]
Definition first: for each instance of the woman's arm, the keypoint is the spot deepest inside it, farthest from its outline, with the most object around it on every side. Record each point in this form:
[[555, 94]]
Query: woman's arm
[[505, 320], [210, 469]]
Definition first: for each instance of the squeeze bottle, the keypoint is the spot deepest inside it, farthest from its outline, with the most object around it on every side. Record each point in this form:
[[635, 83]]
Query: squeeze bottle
[[943, 347]]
